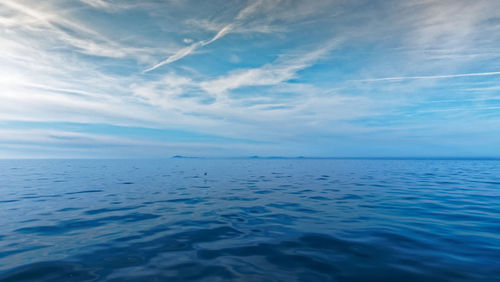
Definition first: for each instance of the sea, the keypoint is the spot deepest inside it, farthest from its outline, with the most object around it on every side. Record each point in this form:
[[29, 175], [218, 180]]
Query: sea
[[250, 220]]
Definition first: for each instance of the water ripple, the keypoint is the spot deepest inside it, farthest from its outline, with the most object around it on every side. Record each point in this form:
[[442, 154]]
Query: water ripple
[[249, 220]]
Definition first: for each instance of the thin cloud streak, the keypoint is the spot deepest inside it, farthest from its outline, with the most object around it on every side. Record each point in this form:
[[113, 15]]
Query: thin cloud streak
[[190, 49], [274, 73], [72, 34], [242, 15], [428, 77]]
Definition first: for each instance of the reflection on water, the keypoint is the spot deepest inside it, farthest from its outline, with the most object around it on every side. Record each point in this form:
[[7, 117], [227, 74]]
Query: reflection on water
[[249, 220]]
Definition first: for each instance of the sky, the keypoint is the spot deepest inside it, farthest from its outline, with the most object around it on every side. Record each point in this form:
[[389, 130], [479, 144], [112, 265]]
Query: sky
[[153, 79]]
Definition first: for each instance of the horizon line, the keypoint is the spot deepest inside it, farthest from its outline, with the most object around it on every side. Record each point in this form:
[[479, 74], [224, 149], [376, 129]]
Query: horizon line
[[262, 158]]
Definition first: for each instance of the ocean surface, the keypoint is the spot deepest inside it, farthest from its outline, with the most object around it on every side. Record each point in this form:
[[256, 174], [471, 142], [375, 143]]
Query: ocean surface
[[249, 220]]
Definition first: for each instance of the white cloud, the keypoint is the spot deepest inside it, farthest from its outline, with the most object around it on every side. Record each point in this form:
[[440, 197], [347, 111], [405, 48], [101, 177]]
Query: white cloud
[[42, 23], [282, 70], [97, 3], [265, 10]]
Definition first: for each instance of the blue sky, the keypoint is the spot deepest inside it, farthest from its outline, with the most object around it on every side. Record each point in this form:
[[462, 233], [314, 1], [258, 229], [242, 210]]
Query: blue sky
[[103, 78]]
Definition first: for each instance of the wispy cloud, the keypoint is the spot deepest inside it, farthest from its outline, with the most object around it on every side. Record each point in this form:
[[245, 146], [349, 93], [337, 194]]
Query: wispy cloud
[[285, 68], [97, 3], [243, 14], [245, 17], [430, 76], [60, 24], [190, 49]]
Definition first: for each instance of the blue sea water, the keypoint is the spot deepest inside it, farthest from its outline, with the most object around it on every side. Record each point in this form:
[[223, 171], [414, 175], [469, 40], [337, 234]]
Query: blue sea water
[[250, 220]]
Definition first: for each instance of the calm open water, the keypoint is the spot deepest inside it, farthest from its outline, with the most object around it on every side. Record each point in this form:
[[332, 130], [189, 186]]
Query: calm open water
[[250, 220]]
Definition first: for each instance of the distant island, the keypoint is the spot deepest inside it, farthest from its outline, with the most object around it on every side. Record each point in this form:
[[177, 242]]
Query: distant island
[[255, 157], [185, 157], [250, 157], [276, 157]]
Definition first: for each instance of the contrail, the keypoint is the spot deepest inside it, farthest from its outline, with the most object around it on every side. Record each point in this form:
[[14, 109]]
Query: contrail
[[247, 11], [430, 76]]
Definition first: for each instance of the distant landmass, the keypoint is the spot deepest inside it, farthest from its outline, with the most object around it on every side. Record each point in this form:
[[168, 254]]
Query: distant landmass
[[245, 157], [185, 157], [336, 158], [276, 157]]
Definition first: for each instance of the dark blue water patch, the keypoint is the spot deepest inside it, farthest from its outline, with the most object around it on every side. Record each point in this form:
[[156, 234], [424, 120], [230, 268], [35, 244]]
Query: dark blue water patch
[[242, 199], [198, 223], [351, 197], [280, 218], [235, 216], [6, 253], [306, 210], [128, 238], [285, 206], [263, 192], [8, 201], [255, 210], [397, 240], [301, 192], [68, 209], [72, 225], [84, 192], [184, 272], [191, 201], [201, 186], [379, 185], [41, 196], [319, 198], [107, 210], [51, 271]]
